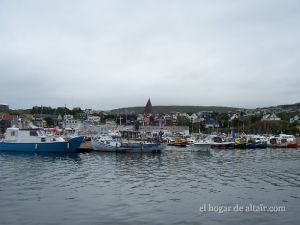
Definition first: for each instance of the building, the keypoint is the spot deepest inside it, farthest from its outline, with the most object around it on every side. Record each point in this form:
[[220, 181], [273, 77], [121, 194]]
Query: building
[[270, 117], [93, 119], [147, 113], [183, 130], [4, 108], [148, 108], [295, 119], [6, 121], [211, 123], [70, 122]]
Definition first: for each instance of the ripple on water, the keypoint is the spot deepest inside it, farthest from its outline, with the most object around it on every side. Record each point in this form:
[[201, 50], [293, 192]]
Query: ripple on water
[[165, 188]]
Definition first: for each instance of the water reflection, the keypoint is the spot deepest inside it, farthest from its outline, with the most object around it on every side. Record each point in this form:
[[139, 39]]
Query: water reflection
[[165, 188], [41, 156]]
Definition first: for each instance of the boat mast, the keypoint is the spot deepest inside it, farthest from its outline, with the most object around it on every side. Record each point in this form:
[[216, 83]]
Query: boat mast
[[42, 116]]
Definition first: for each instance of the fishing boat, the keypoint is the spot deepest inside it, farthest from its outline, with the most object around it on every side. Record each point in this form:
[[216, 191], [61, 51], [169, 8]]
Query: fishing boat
[[130, 141], [178, 141], [240, 143], [282, 141], [256, 142], [250, 142], [218, 143], [106, 143], [201, 146], [36, 140], [259, 141]]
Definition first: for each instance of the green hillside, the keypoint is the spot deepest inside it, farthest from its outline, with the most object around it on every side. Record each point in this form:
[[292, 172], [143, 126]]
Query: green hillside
[[166, 109]]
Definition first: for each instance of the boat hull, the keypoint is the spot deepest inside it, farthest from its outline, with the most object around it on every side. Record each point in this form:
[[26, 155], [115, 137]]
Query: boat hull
[[65, 146], [177, 145], [143, 148], [128, 147], [292, 145], [240, 146], [222, 145], [200, 147], [285, 145]]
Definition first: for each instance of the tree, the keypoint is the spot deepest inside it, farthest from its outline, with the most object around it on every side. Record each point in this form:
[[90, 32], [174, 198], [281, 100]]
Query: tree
[[49, 121]]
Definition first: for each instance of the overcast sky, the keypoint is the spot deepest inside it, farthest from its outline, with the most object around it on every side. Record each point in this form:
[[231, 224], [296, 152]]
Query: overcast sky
[[110, 54]]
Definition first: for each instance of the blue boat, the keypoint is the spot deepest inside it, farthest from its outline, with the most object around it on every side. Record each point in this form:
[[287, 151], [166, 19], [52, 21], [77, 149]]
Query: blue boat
[[35, 140]]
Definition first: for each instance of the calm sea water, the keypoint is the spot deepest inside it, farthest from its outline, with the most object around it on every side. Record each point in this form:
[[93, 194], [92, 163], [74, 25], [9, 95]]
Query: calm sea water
[[175, 187]]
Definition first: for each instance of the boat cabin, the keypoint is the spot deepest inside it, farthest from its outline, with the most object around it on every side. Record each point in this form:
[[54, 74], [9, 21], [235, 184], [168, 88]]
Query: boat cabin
[[16, 135], [131, 134]]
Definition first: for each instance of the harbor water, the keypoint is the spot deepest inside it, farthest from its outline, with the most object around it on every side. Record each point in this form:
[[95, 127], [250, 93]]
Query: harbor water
[[175, 187]]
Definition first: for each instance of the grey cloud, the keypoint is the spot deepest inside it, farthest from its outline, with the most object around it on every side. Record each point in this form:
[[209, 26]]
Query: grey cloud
[[107, 54]]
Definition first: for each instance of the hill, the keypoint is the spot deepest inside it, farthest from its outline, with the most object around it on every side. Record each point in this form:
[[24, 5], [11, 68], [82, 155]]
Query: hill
[[174, 108]]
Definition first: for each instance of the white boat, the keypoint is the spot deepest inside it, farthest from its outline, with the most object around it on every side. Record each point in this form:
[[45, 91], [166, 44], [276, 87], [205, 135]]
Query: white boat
[[106, 143], [201, 146], [130, 141], [282, 141]]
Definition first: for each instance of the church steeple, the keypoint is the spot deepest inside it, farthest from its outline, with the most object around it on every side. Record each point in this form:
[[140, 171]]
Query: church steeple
[[148, 108]]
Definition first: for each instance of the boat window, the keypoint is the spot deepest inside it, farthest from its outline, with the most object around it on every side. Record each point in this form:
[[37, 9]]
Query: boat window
[[43, 139], [217, 139], [13, 133], [283, 141], [33, 133]]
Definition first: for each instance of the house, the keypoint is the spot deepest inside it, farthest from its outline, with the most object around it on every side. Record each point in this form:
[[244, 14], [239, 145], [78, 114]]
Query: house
[[270, 117], [93, 119], [193, 118], [40, 117], [169, 120], [70, 122], [6, 121], [88, 111], [4, 108], [295, 119], [234, 116], [183, 130], [211, 123], [204, 115]]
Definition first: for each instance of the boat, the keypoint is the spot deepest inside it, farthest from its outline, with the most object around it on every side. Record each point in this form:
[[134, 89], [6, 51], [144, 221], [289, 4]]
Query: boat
[[190, 140], [256, 142], [178, 141], [201, 146], [282, 141], [259, 141], [290, 140], [106, 143], [250, 142], [36, 140], [218, 143], [130, 141], [240, 143]]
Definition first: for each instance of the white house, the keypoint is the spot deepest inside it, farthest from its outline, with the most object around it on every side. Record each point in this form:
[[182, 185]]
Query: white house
[[270, 117], [71, 123], [234, 116], [295, 119], [93, 119]]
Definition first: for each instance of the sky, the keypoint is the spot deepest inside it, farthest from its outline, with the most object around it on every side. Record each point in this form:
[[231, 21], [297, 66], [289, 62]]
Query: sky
[[115, 53]]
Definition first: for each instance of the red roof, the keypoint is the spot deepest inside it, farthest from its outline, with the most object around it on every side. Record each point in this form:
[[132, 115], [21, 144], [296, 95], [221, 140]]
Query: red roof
[[7, 117]]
